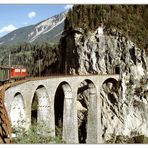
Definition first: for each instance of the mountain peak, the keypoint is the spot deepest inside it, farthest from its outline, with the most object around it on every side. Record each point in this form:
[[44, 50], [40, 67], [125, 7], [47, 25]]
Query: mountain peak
[[47, 30]]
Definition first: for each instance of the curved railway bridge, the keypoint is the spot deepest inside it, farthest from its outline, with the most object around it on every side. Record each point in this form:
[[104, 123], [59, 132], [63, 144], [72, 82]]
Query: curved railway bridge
[[56, 98]]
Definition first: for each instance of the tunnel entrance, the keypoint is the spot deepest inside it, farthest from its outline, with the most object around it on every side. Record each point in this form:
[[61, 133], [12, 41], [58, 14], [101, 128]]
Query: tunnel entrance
[[58, 109], [117, 70], [86, 96]]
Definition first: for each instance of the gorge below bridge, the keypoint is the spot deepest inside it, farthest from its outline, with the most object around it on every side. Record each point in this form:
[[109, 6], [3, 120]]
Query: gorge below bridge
[[56, 103]]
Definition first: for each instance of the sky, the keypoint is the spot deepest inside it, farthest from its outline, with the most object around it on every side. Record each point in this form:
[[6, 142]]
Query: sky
[[14, 16]]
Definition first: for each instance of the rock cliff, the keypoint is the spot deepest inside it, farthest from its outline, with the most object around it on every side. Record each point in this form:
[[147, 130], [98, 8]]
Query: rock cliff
[[124, 112]]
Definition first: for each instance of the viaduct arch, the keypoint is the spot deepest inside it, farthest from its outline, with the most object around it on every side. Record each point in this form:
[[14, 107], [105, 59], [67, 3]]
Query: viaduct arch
[[40, 110], [61, 93], [87, 96], [17, 112], [62, 109]]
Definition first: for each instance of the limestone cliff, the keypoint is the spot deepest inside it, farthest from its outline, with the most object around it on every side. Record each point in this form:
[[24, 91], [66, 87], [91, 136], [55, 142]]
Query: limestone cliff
[[124, 112]]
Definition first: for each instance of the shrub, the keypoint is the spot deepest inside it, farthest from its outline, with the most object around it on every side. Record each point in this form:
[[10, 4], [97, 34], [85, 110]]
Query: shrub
[[33, 137]]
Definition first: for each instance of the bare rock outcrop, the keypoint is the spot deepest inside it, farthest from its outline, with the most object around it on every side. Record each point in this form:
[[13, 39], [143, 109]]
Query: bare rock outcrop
[[124, 110]]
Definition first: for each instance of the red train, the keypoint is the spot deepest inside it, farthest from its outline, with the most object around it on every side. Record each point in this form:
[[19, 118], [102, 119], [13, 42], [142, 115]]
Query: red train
[[12, 73], [18, 72]]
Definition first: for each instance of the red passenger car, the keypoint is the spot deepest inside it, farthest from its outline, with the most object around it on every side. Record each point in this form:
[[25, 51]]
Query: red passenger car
[[18, 72]]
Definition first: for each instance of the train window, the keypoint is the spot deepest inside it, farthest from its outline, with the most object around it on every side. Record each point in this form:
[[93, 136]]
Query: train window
[[23, 70], [17, 70]]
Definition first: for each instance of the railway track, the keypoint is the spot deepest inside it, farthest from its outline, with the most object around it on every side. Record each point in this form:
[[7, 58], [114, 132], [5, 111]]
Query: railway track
[[15, 83]]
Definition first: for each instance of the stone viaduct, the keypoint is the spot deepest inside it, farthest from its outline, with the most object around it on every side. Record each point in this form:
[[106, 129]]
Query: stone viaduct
[[19, 100]]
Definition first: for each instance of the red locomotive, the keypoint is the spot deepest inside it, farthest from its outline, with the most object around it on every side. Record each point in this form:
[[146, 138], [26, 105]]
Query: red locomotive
[[18, 72], [9, 73]]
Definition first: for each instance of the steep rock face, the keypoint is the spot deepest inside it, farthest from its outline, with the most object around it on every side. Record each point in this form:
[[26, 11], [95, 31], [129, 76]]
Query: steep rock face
[[124, 112], [103, 54]]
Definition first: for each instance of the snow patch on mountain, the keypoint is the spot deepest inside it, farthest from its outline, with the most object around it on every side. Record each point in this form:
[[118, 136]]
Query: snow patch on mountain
[[59, 34], [1, 43], [46, 26], [11, 39]]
